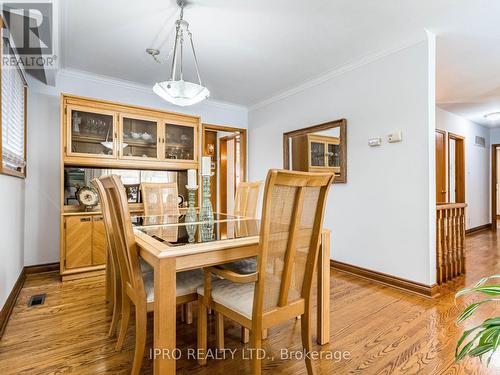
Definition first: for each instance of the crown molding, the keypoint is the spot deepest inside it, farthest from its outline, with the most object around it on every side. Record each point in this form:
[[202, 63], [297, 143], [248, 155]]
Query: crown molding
[[71, 73], [336, 72]]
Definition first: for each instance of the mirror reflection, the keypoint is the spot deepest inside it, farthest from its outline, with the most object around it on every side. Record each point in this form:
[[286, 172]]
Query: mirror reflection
[[320, 148], [76, 178]]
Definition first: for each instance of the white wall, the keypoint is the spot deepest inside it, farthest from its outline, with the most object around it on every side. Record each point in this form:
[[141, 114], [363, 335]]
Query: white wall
[[495, 136], [382, 218], [11, 233], [42, 184], [477, 165]]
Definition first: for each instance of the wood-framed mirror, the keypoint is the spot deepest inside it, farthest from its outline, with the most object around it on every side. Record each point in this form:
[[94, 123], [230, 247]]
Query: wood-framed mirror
[[318, 148]]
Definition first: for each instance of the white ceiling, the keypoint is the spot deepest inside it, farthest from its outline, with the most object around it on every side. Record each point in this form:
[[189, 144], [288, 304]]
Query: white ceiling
[[252, 50]]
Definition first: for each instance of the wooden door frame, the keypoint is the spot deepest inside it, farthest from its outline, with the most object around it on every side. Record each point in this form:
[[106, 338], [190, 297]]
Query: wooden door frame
[[494, 185], [223, 176], [459, 168], [243, 143], [243, 149], [445, 164]]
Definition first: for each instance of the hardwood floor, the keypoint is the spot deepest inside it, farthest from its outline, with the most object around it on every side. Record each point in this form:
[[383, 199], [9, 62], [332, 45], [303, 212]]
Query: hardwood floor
[[385, 331]]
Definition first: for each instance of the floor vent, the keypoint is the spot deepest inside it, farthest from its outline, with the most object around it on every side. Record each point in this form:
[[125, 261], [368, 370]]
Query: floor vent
[[37, 299]]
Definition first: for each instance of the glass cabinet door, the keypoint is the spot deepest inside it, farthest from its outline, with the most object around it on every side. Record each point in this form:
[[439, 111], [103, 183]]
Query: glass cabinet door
[[90, 132], [317, 154], [179, 142], [139, 137], [333, 155]]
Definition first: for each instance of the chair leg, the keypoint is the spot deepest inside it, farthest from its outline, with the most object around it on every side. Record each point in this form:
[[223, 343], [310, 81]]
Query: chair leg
[[110, 288], [183, 313], [140, 337], [117, 306], [264, 334], [125, 317], [219, 331], [202, 332], [256, 344], [189, 312], [305, 323], [245, 335]]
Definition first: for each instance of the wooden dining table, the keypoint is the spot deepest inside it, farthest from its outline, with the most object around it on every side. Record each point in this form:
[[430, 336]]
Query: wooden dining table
[[172, 246]]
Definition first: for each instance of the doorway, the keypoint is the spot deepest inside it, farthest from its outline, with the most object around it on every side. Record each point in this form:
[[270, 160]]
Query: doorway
[[441, 193], [226, 147], [456, 168], [495, 191]]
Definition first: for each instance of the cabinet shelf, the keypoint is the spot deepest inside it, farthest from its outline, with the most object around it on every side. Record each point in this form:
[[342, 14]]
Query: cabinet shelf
[[138, 143], [88, 138]]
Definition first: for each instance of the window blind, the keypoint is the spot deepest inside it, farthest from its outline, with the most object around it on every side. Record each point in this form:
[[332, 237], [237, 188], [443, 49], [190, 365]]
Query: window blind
[[13, 126]]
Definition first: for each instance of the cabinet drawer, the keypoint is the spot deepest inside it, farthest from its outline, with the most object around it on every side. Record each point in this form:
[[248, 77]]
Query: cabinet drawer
[[78, 241]]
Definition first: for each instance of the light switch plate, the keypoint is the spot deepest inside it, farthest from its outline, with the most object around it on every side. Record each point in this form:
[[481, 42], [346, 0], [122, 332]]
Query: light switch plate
[[373, 142], [395, 137]]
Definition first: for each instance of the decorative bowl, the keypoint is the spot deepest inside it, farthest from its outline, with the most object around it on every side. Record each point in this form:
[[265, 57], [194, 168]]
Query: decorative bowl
[[146, 136]]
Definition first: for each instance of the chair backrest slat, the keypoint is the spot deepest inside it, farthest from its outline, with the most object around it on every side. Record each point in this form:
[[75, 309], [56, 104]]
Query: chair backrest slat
[[121, 234], [291, 225], [246, 199], [160, 198]]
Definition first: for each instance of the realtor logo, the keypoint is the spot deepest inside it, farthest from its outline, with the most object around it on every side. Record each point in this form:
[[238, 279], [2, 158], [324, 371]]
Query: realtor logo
[[29, 35], [30, 26]]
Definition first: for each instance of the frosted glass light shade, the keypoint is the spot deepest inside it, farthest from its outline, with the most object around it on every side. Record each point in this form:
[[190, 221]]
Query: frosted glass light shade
[[180, 92]]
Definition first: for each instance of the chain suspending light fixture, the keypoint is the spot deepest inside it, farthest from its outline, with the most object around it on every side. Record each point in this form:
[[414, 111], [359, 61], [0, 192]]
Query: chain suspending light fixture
[[178, 91]]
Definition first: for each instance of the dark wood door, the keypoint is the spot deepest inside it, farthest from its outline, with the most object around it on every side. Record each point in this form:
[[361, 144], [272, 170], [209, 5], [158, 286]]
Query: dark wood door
[[441, 195]]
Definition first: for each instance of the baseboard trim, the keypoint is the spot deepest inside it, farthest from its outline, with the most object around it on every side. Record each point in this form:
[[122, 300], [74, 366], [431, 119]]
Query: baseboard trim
[[429, 291], [11, 302], [41, 268], [478, 229], [18, 286]]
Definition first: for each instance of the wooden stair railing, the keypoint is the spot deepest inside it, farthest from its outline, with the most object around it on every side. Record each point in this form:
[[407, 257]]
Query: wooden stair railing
[[450, 237]]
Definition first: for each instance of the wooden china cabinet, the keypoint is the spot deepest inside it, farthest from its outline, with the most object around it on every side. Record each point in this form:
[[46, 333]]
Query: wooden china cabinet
[[322, 153], [103, 134]]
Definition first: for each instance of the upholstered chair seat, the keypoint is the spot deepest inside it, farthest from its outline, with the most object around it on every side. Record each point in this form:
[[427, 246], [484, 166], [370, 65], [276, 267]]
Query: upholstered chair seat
[[243, 267], [187, 282]]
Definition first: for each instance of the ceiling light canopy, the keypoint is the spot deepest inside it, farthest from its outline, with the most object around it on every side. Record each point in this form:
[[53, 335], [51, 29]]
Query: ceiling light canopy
[[493, 116], [178, 91]]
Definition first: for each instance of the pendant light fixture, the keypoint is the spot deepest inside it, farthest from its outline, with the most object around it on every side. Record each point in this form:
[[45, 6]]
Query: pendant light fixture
[[178, 91]]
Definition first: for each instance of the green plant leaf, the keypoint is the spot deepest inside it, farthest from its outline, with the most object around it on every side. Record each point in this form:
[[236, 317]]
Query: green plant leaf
[[470, 310], [464, 351], [491, 322], [480, 350], [493, 290], [462, 339], [462, 292], [487, 335], [496, 344]]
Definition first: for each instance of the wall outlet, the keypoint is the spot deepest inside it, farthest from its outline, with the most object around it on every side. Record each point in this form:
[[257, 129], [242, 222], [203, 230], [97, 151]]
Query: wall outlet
[[395, 137]]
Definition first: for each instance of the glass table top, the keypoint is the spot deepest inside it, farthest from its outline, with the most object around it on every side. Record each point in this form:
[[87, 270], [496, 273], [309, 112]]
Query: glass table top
[[174, 219], [176, 233]]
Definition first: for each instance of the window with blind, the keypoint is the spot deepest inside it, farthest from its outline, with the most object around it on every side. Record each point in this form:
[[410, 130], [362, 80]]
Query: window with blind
[[13, 101]]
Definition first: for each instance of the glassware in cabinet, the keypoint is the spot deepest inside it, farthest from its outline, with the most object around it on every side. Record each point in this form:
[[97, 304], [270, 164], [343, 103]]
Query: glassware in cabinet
[[139, 137], [180, 142], [91, 132]]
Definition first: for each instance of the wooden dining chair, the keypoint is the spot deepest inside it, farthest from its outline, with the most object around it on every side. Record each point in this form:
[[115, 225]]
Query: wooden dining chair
[[160, 198], [246, 199], [113, 278], [280, 289], [136, 286], [245, 204]]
